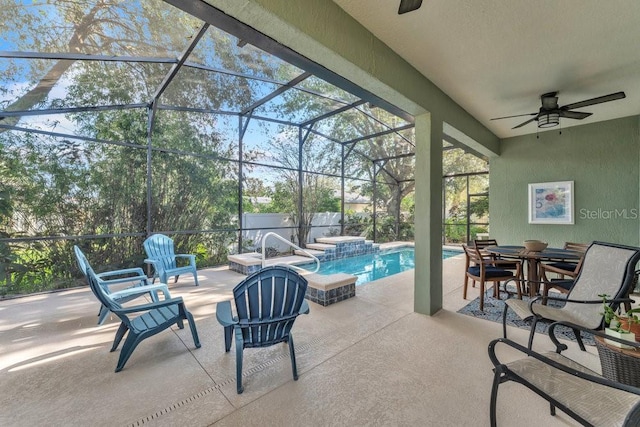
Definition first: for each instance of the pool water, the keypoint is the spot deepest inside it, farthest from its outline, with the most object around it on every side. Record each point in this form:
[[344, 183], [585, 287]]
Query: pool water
[[368, 268]]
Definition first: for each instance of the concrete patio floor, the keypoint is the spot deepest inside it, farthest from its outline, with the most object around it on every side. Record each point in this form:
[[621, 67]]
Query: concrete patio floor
[[369, 360]]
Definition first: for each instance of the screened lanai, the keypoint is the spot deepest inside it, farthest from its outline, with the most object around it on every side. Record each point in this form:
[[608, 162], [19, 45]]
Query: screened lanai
[[120, 119]]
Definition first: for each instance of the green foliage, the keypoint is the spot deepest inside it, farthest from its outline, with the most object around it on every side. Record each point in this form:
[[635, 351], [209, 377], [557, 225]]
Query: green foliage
[[455, 231], [177, 178], [615, 320]]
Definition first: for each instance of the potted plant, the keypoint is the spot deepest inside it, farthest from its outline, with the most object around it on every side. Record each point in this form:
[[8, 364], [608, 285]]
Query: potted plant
[[625, 326]]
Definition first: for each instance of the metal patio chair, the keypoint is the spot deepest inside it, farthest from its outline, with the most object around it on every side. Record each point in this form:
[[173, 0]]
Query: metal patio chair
[[267, 303], [607, 269], [584, 395]]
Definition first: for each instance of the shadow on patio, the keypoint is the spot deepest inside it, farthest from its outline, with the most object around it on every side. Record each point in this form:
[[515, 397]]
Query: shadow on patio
[[367, 360]]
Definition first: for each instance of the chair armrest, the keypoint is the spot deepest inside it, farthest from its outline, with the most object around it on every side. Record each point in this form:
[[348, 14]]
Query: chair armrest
[[552, 269], [223, 314], [157, 265], [138, 274], [540, 299], [560, 346], [161, 287], [304, 308], [150, 306], [501, 262], [137, 271], [598, 301], [191, 257]]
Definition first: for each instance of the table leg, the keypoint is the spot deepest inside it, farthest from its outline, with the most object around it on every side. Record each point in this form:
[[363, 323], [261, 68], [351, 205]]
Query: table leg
[[532, 276]]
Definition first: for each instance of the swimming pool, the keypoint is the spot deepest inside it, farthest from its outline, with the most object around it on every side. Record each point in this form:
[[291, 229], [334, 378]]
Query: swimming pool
[[368, 268]]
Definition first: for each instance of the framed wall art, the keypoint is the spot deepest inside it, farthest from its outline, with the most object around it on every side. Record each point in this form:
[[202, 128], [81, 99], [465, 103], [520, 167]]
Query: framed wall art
[[551, 203]]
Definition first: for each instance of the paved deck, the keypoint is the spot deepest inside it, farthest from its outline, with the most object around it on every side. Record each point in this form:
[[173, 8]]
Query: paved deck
[[369, 360]]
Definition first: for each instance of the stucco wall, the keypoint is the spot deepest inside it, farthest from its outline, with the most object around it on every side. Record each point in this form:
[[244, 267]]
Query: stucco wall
[[603, 160]]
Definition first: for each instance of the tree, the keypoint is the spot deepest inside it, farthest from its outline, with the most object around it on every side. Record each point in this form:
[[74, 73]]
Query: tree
[[63, 186], [317, 190]]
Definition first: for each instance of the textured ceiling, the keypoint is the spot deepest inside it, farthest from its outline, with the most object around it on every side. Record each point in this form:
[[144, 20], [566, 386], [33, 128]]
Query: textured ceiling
[[496, 57]]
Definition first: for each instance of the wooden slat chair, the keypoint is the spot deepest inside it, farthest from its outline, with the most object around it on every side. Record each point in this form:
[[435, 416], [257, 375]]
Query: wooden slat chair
[[567, 268], [561, 283], [267, 303], [512, 264], [142, 321], [161, 254], [584, 395], [140, 285], [607, 269], [487, 269]]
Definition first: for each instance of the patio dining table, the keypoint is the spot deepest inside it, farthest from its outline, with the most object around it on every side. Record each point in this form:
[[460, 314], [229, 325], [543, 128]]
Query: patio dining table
[[533, 259]]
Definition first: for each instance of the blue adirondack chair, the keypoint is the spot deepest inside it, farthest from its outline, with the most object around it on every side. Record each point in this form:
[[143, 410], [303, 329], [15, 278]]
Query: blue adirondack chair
[[142, 321], [267, 303], [140, 284], [161, 254]]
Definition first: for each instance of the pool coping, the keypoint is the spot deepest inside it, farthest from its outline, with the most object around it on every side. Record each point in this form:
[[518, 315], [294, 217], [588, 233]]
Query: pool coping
[[323, 289]]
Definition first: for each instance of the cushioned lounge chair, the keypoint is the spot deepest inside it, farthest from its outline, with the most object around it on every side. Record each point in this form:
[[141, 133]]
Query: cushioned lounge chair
[[584, 395], [607, 269]]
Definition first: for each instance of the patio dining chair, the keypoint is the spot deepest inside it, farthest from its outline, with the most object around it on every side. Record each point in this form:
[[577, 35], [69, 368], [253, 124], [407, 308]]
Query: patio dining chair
[[607, 269], [267, 303], [140, 322], [161, 255], [135, 277], [567, 267], [566, 271], [483, 268], [513, 265]]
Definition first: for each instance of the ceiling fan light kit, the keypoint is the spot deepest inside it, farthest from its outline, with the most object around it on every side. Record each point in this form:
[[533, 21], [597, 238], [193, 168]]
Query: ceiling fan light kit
[[548, 120]]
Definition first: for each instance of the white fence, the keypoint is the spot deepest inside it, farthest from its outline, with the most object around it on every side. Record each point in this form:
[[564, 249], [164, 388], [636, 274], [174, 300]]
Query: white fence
[[275, 222]]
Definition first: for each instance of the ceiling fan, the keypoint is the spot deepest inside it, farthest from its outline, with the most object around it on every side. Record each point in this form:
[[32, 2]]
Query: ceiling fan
[[550, 113], [409, 6]]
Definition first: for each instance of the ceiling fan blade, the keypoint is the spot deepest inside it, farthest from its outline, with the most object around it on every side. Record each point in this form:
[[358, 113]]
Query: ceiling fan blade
[[525, 123], [409, 6], [574, 114], [517, 115], [593, 101]]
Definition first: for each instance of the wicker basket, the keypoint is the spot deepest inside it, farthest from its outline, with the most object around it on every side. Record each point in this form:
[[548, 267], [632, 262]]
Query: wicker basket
[[618, 364]]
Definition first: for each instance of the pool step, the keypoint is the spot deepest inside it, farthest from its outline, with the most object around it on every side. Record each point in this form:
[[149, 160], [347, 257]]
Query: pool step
[[339, 240], [320, 247], [308, 250]]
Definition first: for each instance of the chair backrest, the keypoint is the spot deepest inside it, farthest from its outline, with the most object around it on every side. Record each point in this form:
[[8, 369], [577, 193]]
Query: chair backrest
[[607, 268], [267, 303], [160, 247], [472, 254], [83, 263], [100, 293], [578, 247], [484, 243]]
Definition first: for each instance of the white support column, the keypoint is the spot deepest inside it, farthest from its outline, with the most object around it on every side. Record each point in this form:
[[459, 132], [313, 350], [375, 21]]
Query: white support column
[[428, 215]]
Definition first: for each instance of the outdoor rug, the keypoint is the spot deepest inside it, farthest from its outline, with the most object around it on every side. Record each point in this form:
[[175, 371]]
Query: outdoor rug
[[493, 309]]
